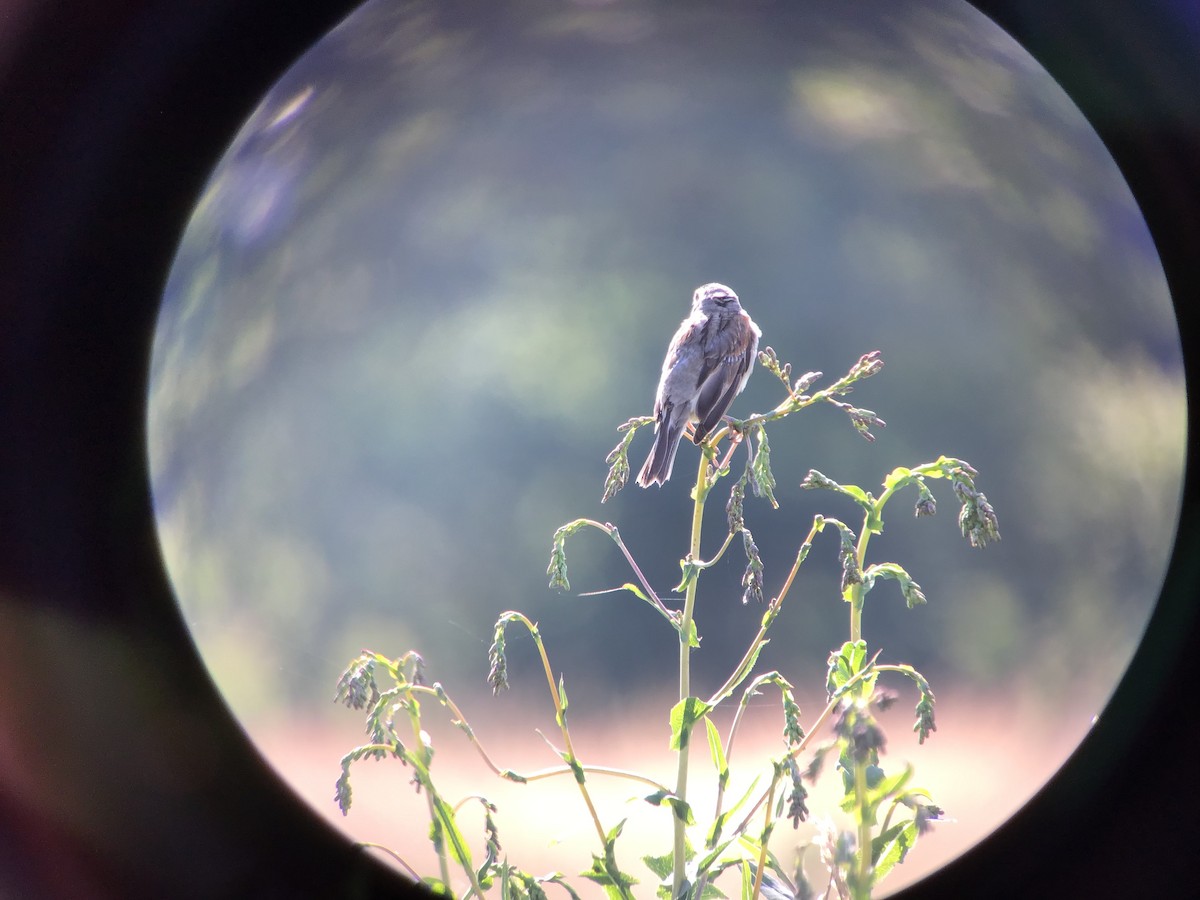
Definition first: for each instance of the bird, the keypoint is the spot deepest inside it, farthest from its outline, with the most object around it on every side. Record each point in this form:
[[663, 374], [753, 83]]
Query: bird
[[708, 364]]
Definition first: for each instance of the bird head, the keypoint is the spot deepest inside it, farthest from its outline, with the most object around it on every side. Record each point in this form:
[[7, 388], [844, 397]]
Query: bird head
[[713, 297]]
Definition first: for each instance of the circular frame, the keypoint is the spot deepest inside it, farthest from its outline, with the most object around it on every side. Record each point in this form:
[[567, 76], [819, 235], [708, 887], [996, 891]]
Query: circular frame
[[121, 770]]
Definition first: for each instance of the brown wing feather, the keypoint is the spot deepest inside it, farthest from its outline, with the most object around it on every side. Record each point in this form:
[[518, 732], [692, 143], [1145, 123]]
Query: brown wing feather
[[723, 378], [711, 405]]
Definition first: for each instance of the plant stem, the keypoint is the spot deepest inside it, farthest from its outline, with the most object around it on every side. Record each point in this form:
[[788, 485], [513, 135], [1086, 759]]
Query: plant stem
[[611, 530], [863, 881], [561, 715], [412, 873], [793, 403], [423, 751], [743, 668], [737, 718], [762, 850], [460, 721], [699, 494], [875, 514], [615, 535], [857, 595], [810, 735], [595, 770]]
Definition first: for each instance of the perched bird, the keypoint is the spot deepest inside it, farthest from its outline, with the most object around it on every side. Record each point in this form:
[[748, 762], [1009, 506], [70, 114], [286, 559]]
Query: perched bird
[[707, 365]]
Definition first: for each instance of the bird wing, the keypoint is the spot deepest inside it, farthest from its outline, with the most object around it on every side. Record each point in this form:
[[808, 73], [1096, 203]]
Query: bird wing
[[684, 368], [726, 363]]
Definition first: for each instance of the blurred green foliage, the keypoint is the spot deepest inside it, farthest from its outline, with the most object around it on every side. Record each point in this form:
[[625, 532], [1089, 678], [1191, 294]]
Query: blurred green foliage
[[440, 265]]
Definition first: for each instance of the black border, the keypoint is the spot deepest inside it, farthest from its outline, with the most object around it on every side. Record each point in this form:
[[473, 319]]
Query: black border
[[111, 117]]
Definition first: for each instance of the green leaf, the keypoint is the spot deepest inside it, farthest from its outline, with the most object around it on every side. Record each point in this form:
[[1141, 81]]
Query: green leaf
[[747, 881], [613, 833], [616, 886], [576, 768], [662, 866], [607, 873], [746, 796], [858, 494], [684, 715], [897, 478], [636, 591], [690, 572], [453, 838], [559, 879], [844, 664], [717, 751], [913, 595], [856, 653], [715, 829], [815, 479], [682, 810], [880, 788], [892, 846], [744, 669], [705, 867], [889, 785]]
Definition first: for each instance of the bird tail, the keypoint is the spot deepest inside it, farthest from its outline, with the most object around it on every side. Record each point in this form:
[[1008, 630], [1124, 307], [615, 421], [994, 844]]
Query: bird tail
[[662, 455]]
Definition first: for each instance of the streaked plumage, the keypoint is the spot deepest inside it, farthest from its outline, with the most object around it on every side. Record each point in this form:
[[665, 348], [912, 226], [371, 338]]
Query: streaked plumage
[[707, 365]]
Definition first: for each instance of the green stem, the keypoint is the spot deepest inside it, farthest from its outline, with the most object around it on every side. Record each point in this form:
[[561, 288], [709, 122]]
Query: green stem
[[811, 734], [887, 820], [856, 607], [458, 719], [875, 514], [699, 495], [423, 751], [857, 595], [733, 728], [659, 605], [791, 404], [856, 591], [863, 888], [742, 670], [611, 530], [412, 873], [595, 770], [762, 850], [716, 558], [561, 715]]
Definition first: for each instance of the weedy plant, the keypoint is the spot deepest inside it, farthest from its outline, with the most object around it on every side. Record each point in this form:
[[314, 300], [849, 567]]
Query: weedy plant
[[886, 811]]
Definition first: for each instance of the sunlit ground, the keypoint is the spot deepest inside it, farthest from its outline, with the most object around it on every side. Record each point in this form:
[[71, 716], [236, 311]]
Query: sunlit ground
[[978, 766]]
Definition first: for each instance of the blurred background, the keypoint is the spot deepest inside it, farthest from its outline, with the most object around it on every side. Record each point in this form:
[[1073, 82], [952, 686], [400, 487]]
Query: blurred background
[[441, 263]]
